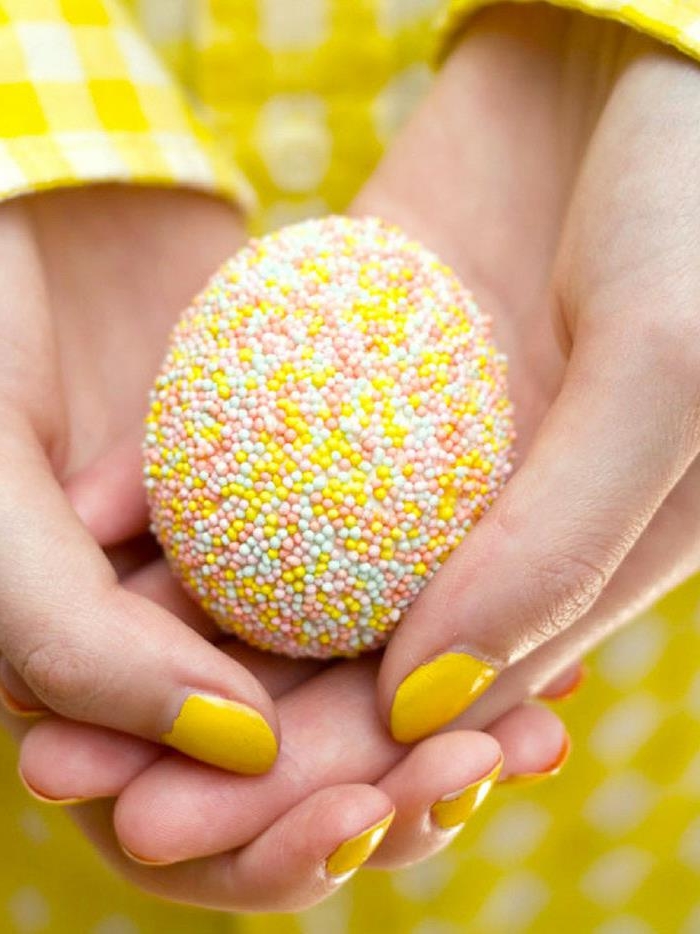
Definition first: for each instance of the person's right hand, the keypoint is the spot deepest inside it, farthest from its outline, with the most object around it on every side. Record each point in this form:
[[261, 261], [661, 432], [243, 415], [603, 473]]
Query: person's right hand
[[91, 283], [555, 166]]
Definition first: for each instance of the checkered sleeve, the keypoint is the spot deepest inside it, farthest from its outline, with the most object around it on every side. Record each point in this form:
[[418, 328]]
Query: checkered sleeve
[[676, 22], [84, 98]]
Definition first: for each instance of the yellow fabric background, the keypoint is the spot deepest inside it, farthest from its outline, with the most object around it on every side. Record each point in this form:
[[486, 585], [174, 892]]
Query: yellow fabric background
[[300, 100], [676, 22]]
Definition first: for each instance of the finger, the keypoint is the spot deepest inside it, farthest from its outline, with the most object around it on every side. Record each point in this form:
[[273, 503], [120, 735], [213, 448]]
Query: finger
[[446, 778], [331, 734], [302, 858], [611, 448], [565, 683], [93, 651], [154, 581], [308, 852], [534, 741], [435, 789], [64, 760], [109, 496], [16, 727], [16, 695], [666, 555]]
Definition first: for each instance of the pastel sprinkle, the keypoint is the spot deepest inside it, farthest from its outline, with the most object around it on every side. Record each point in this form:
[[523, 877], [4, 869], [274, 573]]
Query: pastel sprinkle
[[330, 421]]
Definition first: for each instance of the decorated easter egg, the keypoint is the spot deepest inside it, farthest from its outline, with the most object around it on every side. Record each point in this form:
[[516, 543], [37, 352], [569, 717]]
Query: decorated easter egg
[[330, 421]]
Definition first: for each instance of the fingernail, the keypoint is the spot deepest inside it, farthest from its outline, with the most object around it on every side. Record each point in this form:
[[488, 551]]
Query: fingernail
[[14, 706], [456, 808], [570, 689], [224, 733], [141, 860], [435, 693], [531, 778], [42, 797], [352, 853]]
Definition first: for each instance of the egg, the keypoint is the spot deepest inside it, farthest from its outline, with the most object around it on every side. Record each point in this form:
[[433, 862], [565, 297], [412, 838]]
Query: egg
[[330, 421]]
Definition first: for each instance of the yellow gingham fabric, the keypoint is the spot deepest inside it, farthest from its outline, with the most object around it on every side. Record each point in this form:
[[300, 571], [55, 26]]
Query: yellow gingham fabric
[[83, 97], [676, 22], [301, 98]]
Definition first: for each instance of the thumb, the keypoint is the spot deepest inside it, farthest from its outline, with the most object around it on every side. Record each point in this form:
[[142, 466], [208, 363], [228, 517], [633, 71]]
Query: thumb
[[612, 446], [94, 651]]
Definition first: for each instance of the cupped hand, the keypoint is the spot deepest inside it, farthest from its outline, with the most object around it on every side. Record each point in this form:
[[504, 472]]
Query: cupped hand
[[91, 283], [93, 362], [554, 165], [264, 842], [508, 171]]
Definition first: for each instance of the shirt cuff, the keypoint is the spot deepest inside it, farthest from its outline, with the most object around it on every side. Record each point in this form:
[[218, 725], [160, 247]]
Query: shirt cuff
[[675, 22], [85, 99]]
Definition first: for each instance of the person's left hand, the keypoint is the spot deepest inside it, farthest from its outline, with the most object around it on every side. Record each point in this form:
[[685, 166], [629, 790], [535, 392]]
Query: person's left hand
[[262, 843], [580, 205]]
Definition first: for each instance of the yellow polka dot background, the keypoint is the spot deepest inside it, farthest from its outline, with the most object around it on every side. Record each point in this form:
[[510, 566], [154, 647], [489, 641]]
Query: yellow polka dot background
[[305, 96]]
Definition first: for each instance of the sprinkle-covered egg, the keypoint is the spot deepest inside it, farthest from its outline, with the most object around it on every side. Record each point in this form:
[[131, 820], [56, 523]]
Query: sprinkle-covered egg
[[330, 421]]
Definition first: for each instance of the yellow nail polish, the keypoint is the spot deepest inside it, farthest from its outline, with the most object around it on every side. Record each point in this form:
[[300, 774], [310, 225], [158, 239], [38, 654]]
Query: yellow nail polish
[[19, 710], [141, 860], [224, 733], [570, 690], [456, 808], [531, 778], [435, 693], [42, 797], [352, 853]]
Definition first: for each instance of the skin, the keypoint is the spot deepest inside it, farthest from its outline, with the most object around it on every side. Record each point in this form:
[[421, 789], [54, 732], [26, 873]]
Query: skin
[[574, 245], [92, 282], [585, 249], [81, 336]]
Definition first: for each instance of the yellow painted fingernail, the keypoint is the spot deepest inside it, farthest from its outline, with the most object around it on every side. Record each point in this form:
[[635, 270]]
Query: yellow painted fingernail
[[11, 703], [224, 733], [435, 693], [352, 853], [570, 689], [456, 808], [45, 798], [142, 860], [531, 778]]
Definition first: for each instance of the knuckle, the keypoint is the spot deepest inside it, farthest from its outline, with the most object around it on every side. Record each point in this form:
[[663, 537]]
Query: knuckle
[[559, 589], [65, 676]]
